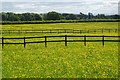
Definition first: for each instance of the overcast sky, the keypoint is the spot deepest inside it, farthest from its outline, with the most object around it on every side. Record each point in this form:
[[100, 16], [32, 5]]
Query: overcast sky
[[62, 6]]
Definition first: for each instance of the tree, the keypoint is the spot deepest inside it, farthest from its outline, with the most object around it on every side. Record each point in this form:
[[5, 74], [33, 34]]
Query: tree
[[10, 16], [64, 15], [116, 16], [3, 16], [71, 17], [37, 17], [90, 15], [27, 17], [100, 16], [83, 16], [52, 16]]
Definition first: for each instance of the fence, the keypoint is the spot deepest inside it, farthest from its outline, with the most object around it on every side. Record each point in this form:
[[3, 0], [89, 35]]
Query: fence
[[60, 31], [65, 39]]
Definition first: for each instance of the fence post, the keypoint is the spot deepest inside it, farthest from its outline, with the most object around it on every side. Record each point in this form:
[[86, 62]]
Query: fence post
[[102, 30], [103, 40], [65, 40], [94, 30], [58, 31], [9, 31], [21, 28], [85, 40], [45, 41], [88, 31], [80, 31], [115, 30], [2, 42], [65, 30], [18, 31], [24, 42], [109, 30], [50, 30]]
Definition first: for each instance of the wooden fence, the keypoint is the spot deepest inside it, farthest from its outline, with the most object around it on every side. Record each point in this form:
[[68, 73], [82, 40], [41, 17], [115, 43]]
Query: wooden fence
[[60, 31], [65, 40]]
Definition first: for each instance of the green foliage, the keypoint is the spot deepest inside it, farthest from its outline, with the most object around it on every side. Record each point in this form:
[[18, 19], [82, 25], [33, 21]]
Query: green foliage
[[9, 16], [30, 17], [52, 16], [71, 17]]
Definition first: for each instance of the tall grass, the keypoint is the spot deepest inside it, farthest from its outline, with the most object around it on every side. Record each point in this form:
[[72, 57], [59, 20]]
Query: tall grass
[[57, 60]]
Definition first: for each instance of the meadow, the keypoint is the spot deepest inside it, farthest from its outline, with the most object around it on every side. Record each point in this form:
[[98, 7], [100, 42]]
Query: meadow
[[56, 60]]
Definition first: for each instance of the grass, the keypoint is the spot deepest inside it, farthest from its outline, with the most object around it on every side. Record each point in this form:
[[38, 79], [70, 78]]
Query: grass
[[83, 25], [57, 60]]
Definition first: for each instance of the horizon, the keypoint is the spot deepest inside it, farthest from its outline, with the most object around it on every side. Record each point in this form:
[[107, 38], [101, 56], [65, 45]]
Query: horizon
[[57, 12]]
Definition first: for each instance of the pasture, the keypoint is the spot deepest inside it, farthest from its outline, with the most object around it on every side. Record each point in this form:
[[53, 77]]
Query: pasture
[[57, 60]]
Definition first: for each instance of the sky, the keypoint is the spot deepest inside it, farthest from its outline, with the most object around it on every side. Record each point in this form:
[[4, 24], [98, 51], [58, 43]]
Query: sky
[[107, 7]]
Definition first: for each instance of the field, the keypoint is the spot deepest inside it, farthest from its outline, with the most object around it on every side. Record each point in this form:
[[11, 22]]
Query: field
[[56, 60]]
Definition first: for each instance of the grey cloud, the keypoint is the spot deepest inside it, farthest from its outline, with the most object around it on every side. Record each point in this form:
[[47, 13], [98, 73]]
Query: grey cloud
[[70, 7], [42, 0]]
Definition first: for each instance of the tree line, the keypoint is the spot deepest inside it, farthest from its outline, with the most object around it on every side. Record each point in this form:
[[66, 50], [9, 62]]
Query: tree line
[[10, 16]]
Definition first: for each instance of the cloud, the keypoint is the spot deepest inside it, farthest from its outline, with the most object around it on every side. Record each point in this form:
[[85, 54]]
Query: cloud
[[106, 7], [25, 6], [60, 1], [42, 0]]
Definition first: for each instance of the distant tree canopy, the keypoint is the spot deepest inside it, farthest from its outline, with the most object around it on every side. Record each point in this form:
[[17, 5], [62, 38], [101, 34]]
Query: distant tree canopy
[[52, 16], [30, 17], [71, 17], [9, 16]]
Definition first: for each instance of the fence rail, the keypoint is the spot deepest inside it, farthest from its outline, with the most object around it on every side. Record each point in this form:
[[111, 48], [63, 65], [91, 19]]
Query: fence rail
[[60, 31], [65, 40]]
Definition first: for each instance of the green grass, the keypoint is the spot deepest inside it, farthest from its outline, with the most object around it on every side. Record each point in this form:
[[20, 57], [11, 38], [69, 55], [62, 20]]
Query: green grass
[[83, 25], [57, 60], [60, 61]]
